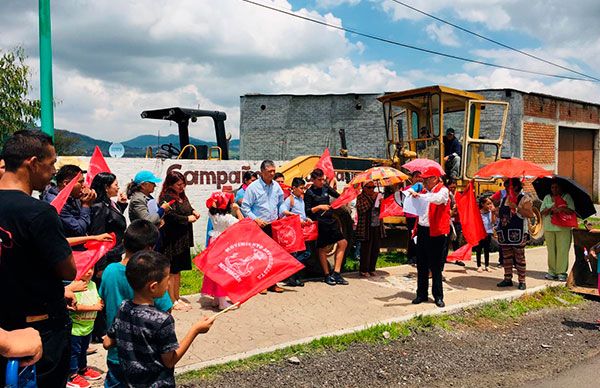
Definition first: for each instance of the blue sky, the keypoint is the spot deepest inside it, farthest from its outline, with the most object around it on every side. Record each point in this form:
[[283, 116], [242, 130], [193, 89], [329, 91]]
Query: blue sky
[[115, 58]]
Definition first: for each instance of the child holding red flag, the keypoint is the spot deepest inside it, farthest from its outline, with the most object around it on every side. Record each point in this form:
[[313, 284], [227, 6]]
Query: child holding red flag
[[86, 309], [220, 206]]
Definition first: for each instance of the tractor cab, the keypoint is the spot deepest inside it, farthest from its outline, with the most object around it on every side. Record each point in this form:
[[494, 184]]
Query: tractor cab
[[183, 116], [417, 123]]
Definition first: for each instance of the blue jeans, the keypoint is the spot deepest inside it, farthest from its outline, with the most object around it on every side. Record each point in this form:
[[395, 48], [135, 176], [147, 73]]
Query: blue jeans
[[113, 377], [302, 256], [79, 347]]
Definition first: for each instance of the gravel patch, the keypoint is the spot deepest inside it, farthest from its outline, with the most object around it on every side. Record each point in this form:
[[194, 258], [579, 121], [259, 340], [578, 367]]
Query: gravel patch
[[538, 345]]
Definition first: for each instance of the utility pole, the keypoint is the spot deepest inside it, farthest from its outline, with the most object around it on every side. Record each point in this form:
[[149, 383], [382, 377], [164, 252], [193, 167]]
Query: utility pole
[[46, 93]]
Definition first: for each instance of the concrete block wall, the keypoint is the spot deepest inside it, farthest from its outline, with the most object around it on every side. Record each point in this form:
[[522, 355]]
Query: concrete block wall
[[285, 126], [511, 146], [203, 178]]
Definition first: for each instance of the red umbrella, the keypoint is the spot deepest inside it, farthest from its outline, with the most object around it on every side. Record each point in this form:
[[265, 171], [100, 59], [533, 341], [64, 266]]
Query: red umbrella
[[426, 167], [512, 168]]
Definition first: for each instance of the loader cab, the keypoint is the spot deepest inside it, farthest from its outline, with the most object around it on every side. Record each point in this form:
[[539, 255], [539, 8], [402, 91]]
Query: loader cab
[[417, 120]]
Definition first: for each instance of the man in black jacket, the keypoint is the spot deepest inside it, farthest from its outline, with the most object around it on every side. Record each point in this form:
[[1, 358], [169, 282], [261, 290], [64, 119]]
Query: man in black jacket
[[452, 154]]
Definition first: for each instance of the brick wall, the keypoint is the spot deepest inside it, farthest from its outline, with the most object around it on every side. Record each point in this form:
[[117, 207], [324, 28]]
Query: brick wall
[[539, 106], [539, 143], [571, 111], [283, 126]]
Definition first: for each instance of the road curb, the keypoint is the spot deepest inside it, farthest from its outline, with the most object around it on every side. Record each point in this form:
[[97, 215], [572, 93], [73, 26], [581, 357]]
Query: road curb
[[504, 295]]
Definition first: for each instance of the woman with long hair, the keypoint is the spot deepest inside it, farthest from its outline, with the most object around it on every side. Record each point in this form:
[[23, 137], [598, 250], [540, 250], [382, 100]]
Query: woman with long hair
[[107, 217], [177, 232]]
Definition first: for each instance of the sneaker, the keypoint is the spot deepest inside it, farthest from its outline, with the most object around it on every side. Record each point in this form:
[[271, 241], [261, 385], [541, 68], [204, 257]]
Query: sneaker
[[90, 374], [77, 381], [561, 278], [522, 286], [550, 276], [339, 279], [505, 283], [479, 269], [329, 279], [487, 269]]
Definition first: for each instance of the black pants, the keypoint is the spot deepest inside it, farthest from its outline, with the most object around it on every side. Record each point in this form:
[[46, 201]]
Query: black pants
[[369, 250], [53, 368], [430, 257], [484, 245], [411, 251]]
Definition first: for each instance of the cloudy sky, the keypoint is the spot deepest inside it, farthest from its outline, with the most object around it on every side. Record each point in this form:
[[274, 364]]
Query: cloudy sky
[[115, 58]]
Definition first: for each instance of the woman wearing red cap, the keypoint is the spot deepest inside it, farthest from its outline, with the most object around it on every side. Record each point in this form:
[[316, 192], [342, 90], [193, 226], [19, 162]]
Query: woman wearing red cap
[[219, 207], [177, 232]]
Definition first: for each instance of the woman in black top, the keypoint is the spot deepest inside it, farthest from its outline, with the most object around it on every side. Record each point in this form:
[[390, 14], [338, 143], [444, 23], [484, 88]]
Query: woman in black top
[[316, 201], [107, 216], [177, 232]]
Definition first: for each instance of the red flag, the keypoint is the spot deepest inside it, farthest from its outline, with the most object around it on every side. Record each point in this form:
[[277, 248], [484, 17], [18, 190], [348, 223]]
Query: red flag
[[84, 260], [310, 230], [470, 216], [347, 196], [326, 165], [389, 207], [287, 190], [244, 261], [461, 254], [97, 164], [63, 195], [287, 232]]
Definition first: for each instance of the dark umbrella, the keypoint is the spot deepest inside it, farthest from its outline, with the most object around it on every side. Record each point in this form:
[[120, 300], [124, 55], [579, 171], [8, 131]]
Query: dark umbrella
[[583, 202]]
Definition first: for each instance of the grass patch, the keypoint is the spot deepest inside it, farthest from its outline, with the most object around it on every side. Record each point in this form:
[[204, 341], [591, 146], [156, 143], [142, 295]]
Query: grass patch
[[386, 259], [499, 311], [191, 281]]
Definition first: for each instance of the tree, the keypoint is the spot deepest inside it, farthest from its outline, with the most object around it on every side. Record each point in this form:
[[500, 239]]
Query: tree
[[16, 110], [66, 144]]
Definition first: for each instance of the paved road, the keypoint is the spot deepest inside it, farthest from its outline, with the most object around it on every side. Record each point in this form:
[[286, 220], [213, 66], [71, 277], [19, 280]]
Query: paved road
[[585, 375], [267, 322]]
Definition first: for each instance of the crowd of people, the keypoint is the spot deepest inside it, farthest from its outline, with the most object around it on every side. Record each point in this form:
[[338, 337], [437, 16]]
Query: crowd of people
[[50, 319]]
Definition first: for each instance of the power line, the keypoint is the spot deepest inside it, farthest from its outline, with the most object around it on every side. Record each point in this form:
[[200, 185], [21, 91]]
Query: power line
[[395, 43], [493, 41]]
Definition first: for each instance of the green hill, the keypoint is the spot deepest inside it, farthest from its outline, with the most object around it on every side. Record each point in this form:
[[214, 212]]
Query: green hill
[[73, 143]]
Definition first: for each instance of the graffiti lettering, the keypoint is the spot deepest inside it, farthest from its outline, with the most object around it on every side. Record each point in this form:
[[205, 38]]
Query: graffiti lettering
[[220, 178]]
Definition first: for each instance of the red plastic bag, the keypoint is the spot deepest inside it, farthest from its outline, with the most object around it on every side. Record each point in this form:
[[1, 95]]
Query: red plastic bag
[[310, 231], [567, 220], [287, 232]]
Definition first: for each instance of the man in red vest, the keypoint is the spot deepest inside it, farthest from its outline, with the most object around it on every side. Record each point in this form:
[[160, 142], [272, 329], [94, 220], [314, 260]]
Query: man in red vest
[[432, 230]]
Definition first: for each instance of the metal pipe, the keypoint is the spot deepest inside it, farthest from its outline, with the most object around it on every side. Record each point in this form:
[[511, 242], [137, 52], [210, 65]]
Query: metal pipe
[[46, 93]]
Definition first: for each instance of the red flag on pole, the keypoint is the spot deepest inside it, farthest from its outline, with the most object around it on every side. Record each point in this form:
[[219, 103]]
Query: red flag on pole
[[244, 261], [97, 164], [63, 195], [84, 260], [347, 196], [470, 216], [287, 232], [461, 254], [389, 208], [326, 165]]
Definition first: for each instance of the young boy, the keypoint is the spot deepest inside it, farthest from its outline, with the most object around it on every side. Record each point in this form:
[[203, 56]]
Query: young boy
[[140, 235], [294, 205], [145, 336], [86, 309]]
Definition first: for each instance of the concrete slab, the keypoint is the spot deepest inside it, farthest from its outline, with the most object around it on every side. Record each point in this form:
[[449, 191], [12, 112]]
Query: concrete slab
[[299, 315]]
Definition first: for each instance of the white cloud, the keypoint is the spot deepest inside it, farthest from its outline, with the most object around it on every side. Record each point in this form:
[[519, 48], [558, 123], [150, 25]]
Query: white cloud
[[442, 33], [335, 3]]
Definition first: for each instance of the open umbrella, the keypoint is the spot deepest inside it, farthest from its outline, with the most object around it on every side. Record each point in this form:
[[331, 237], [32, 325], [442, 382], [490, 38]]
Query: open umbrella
[[583, 202], [426, 167], [512, 168], [384, 176]]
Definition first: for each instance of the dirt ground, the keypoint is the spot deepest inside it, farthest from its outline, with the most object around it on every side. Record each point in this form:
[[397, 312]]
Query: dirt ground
[[538, 346]]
